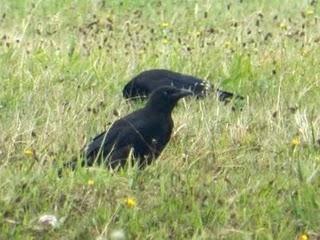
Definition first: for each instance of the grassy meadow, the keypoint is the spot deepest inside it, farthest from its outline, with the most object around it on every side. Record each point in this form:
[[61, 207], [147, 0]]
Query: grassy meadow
[[250, 174]]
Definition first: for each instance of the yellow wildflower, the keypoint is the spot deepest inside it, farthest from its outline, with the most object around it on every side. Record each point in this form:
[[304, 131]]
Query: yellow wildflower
[[304, 51], [29, 152], [295, 141], [283, 25], [310, 12], [303, 236], [90, 182], [165, 24], [130, 202], [227, 44], [165, 41]]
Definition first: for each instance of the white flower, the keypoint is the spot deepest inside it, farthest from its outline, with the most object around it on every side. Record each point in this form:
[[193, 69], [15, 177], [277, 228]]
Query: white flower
[[49, 220], [117, 235]]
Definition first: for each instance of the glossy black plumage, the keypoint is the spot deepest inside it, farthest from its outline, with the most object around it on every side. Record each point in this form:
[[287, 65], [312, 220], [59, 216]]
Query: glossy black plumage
[[144, 83], [143, 133]]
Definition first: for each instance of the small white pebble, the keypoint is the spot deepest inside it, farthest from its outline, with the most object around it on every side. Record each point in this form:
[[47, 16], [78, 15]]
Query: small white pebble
[[117, 235], [49, 220]]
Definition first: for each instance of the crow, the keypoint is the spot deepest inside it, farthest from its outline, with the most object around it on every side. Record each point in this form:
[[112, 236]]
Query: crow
[[142, 134], [144, 83]]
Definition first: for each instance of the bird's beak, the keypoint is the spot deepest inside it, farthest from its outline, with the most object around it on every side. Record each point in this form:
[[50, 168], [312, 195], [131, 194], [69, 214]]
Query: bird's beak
[[182, 93]]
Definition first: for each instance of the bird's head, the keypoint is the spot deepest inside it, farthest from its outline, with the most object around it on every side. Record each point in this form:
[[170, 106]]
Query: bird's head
[[164, 99]]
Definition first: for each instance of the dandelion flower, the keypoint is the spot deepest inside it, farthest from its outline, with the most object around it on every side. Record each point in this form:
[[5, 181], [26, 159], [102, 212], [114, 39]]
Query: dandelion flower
[[130, 202], [165, 24], [303, 236], [283, 25], [29, 152], [90, 182], [309, 12], [295, 141], [165, 41]]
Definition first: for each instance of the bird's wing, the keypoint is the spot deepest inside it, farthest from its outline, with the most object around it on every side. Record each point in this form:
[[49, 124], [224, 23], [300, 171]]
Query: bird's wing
[[103, 142], [153, 79], [120, 133], [119, 156], [135, 131]]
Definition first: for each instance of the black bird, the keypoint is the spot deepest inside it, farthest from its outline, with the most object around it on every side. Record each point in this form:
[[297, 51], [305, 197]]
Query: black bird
[[142, 134], [144, 83]]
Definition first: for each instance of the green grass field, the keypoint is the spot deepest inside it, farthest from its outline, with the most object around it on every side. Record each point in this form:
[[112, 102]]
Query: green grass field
[[250, 174]]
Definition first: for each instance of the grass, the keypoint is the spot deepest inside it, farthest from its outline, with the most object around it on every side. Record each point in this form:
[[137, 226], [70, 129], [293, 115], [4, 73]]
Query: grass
[[250, 174]]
